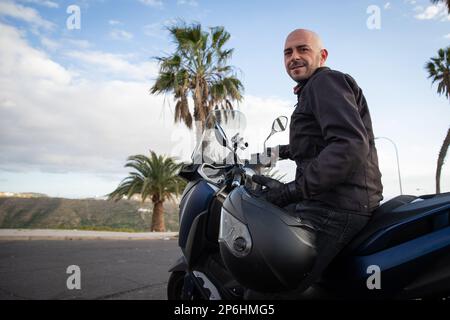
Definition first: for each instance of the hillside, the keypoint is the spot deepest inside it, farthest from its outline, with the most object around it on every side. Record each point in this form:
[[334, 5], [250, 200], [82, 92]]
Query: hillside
[[59, 213], [22, 195]]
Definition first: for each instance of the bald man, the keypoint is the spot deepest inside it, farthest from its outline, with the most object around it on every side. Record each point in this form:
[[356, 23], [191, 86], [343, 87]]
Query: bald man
[[338, 182]]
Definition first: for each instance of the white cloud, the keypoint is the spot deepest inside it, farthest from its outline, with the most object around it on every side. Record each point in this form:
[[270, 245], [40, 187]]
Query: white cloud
[[46, 3], [120, 35], [113, 65], [433, 12], [52, 44], [114, 22], [29, 15], [56, 122], [22, 61], [49, 44], [152, 3], [82, 44], [192, 3], [447, 36], [387, 6]]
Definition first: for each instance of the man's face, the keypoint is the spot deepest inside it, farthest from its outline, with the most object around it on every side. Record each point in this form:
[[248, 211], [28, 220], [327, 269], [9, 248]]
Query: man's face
[[303, 55]]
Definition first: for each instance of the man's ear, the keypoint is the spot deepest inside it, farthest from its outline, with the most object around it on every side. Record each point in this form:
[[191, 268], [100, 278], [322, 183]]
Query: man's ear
[[323, 56]]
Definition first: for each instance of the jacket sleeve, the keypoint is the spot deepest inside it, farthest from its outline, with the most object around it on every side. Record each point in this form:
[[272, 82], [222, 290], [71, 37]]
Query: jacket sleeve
[[284, 152], [334, 106]]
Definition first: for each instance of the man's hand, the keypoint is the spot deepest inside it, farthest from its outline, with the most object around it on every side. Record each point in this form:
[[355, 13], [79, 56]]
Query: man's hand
[[276, 192]]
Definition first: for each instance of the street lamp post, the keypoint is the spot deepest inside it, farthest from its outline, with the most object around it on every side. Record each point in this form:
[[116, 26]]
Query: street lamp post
[[398, 162]]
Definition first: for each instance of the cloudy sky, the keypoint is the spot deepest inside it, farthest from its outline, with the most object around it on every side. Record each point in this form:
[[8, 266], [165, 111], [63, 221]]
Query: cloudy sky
[[74, 103]]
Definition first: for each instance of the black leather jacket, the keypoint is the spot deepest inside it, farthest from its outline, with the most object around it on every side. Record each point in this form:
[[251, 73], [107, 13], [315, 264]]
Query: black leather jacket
[[332, 142]]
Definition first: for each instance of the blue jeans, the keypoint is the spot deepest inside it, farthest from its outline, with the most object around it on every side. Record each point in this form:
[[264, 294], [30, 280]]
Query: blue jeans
[[333, 229]]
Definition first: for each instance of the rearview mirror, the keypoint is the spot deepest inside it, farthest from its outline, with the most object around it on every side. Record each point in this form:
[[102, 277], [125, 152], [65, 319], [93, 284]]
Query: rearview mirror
[[278, 125]]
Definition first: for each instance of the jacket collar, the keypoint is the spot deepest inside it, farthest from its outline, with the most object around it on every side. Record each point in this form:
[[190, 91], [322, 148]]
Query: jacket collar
[[301, 84]]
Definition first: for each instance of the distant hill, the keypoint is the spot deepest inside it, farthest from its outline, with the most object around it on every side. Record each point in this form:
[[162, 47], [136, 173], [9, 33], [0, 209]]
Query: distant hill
[[60, 213], [22, 195]]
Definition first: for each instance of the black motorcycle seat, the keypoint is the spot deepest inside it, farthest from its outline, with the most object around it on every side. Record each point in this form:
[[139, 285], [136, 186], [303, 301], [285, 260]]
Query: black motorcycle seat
[[393, 212], [392, 204]]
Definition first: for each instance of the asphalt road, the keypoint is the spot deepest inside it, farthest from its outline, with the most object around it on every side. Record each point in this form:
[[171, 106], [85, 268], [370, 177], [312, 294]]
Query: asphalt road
[[129, 269]]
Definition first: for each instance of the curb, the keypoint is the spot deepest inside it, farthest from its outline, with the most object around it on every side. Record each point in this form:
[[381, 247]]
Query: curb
[[68, 235]]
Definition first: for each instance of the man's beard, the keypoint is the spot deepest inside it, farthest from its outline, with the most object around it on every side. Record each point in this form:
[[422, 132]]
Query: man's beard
[[309, 70]]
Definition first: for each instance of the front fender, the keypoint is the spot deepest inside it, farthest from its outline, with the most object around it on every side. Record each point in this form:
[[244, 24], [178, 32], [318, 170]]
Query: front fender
[[179, 265]]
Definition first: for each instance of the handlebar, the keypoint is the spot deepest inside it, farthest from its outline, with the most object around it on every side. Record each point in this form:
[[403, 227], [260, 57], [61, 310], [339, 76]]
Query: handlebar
[[239, 173], [236, 180]]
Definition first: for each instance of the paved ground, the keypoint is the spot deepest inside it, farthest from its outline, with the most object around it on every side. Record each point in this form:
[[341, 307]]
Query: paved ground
[[110, 269]]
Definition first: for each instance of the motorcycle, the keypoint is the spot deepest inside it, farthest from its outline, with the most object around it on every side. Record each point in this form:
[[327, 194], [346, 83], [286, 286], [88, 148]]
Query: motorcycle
[[232, 240]]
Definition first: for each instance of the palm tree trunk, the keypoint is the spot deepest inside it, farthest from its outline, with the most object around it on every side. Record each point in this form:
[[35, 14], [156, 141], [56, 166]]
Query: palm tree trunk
[[158, 217], [440, 162], [200, 109], [198, 131]]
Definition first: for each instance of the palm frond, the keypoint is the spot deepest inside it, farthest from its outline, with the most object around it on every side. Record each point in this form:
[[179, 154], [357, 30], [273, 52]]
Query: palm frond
[[195, 69], [154, 175], [439, 71]]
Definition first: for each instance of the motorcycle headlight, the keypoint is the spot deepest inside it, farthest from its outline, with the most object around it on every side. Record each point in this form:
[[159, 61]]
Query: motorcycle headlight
[[234, 234]]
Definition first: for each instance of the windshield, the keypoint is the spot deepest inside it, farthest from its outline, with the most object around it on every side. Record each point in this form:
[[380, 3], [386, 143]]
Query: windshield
[[208, 149]]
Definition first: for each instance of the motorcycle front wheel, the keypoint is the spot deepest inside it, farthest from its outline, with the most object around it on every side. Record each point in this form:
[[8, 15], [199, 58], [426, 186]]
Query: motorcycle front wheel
[[175, 285]]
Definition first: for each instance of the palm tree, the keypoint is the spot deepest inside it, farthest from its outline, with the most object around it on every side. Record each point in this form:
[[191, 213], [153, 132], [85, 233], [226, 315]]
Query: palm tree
[[198, 68], [155, 178], [447, 2], [439, 71]]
